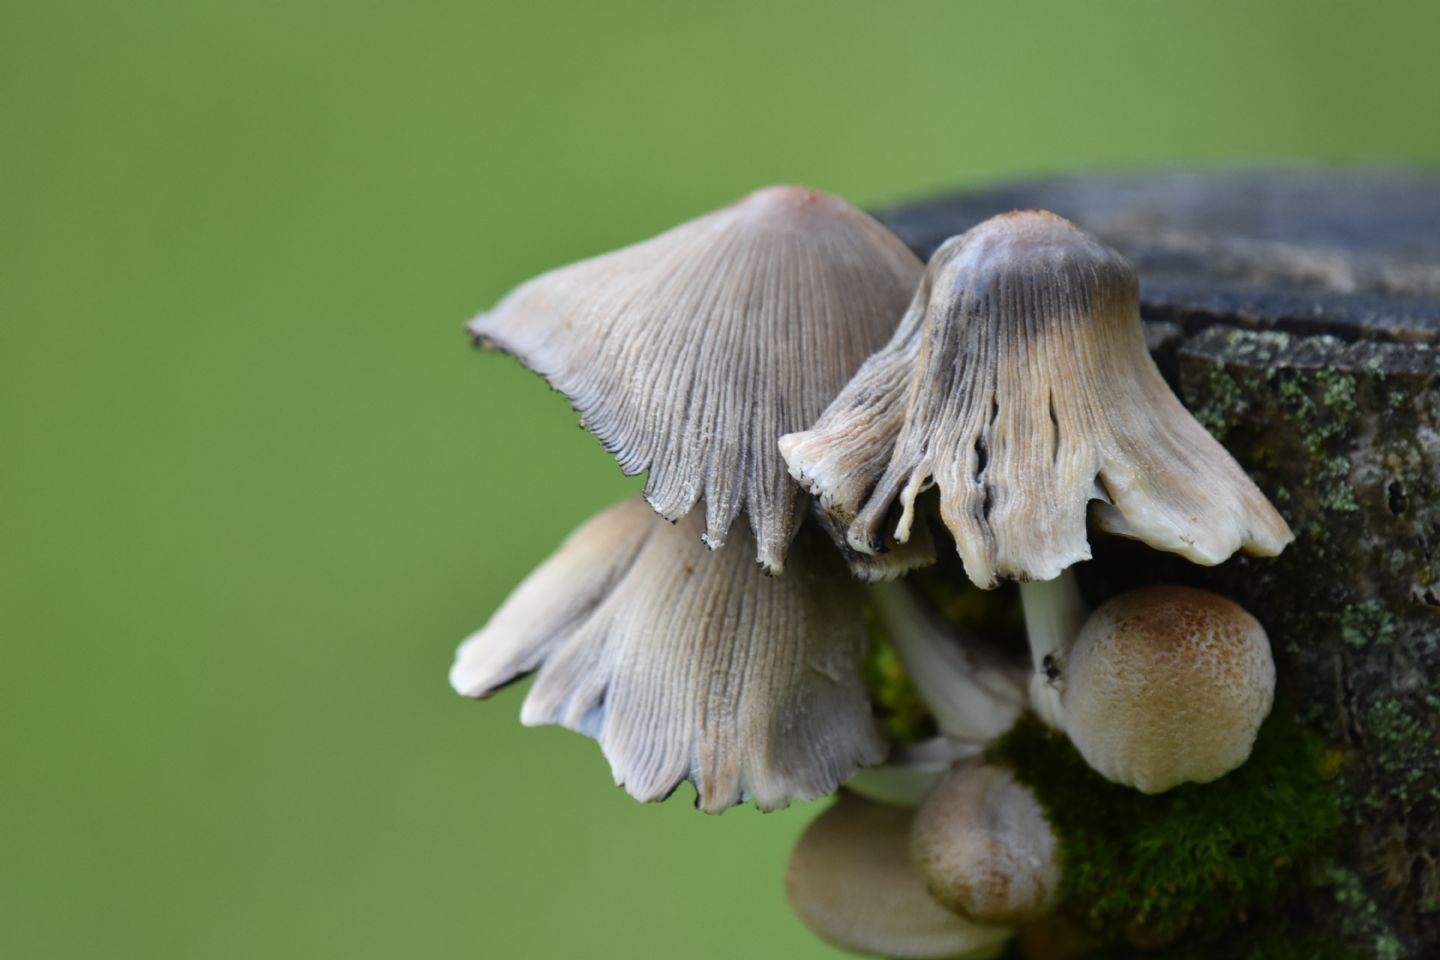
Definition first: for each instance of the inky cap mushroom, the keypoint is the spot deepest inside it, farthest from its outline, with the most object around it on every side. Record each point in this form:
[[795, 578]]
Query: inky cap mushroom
[[985, 848], [1019, 384], [685, 664], [851, 880], [689, 354], [1167, 685]]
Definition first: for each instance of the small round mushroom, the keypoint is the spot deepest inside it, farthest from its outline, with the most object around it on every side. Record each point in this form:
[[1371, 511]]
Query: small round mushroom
[[851, 880], [1019, 384], [1167, 685], [689, 354], [985, 848], [688, 664]]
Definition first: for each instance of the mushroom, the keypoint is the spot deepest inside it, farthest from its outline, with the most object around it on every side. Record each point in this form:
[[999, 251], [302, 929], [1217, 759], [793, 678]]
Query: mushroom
[[985, 848], [1164, 686], [1019, 384], [689, 354], [851, 880], [686, 664]]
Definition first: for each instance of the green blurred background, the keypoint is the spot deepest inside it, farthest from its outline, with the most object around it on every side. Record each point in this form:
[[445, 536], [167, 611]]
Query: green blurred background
[[254, 486]]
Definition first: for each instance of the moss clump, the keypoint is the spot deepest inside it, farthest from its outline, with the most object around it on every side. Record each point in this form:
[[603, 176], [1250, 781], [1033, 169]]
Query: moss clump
[[1198, 859], [1281, 942]]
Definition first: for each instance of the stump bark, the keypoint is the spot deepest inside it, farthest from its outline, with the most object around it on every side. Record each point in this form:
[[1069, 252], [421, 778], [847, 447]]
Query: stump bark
[[1297, 314]]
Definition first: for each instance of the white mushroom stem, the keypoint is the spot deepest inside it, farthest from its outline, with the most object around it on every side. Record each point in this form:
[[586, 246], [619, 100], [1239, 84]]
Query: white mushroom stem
[[972, 693], [1054, 613]]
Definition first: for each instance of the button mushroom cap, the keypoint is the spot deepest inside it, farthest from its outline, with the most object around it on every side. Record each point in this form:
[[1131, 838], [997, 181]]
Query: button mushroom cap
[[985, 848], [688, 664], [1019, 384], [851, 880], [689, 354], [1167, 685]]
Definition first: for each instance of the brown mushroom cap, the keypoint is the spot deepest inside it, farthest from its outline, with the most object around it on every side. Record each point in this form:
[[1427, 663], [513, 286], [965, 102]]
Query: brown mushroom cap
[[689, 354], [1167, 685], [985, 848], [687, 664], [851, 880], [1018, 380]]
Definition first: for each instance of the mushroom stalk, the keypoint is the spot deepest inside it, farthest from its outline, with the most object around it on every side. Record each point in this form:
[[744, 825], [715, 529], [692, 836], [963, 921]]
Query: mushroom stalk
[[1054, 613], [972, 693]]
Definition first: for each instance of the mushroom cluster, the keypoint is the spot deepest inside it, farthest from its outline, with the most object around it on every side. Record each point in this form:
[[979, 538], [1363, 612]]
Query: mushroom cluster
[[791, 365]]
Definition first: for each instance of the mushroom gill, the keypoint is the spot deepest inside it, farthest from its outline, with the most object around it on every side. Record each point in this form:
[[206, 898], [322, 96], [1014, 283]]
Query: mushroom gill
[[689, 354], [687, 664], [1018, 383]]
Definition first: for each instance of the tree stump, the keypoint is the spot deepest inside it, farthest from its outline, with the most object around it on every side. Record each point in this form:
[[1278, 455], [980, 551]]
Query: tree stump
[[1297, 314]]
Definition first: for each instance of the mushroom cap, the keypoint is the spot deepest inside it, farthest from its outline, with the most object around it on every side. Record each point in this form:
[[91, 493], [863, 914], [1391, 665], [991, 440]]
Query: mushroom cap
[[687, 664], [985, 848], [1167, 685], [689, 354], [851, 880], [1019, 383]]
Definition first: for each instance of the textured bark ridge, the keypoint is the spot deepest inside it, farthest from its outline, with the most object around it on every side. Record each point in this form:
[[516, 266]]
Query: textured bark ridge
[[1297, 313]]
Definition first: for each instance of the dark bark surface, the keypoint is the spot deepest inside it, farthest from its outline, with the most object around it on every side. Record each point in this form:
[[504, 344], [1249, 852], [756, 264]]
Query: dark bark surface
[[1297, 314]]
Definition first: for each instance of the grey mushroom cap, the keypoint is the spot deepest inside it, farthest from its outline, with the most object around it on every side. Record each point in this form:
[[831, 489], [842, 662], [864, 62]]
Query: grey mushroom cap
[[687, 664], [689, 354], [1167, 685], [1019, 384], [851, 880], [985, 847]]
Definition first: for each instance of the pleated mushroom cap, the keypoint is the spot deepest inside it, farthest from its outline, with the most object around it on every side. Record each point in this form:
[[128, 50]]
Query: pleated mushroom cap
[[985, 848], [689, 354], [1167, 685], [851, 880], [1020, 385], [687, 664]]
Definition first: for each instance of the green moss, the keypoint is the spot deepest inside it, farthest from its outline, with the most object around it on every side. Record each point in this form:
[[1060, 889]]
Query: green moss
[[1407, 749], [1197, 859], [1223, 401], [1318, 422], [1281, 942], [1366, 624], [1359, 916]]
